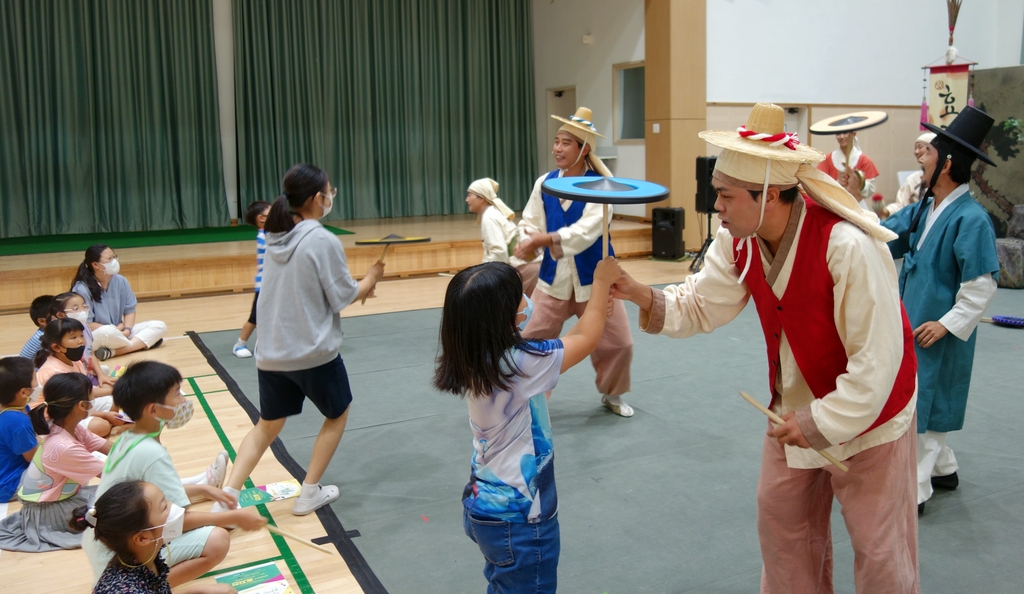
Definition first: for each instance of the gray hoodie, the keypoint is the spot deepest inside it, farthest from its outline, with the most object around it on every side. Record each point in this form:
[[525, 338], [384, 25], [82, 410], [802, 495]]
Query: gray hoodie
[[306, 284]]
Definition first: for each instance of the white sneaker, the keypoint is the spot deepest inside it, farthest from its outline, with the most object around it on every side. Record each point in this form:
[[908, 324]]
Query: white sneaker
[[241, 351], [621, 408], [217, 471], [307, 505]]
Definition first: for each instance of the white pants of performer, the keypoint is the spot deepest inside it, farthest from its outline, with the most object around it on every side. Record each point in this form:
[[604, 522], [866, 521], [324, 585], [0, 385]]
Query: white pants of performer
[[934, 458], [109, 336]]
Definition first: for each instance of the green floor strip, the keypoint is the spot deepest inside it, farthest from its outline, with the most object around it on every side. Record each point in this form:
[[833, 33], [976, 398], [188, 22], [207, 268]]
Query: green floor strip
[[47, 244], [217, 572], [282, 546]]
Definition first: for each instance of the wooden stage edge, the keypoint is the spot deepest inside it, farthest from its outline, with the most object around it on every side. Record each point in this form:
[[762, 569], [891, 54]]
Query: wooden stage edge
[[218, 268]]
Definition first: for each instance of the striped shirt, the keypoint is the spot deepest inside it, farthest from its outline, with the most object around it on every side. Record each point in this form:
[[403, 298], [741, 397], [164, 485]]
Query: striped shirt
[[261, 250]]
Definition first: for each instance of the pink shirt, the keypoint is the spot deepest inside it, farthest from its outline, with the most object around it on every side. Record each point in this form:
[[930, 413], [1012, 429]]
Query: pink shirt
[[53, 366], [63, 464]]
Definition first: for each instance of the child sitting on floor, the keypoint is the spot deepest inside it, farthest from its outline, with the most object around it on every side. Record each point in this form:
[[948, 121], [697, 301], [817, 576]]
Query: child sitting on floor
[[56, 481], [39, 311], [510, 503], [150, 393], [18, 441], [135, 521], [73, 306], [63, 347]]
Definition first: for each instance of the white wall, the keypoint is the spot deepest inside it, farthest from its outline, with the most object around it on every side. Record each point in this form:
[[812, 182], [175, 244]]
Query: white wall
[[865, 52], [560, 60]]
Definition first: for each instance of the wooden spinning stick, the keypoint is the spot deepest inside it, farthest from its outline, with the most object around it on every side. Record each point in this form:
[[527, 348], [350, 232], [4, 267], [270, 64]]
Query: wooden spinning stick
[[382, 255], [604, 231], [299, 539], [778, 420]]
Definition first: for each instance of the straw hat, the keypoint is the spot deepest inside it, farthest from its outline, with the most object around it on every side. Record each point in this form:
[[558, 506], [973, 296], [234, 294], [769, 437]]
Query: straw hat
[[582, 121], [764, 136]]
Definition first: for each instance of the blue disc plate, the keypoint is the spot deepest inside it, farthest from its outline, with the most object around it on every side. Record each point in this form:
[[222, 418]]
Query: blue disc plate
[[605, 190]]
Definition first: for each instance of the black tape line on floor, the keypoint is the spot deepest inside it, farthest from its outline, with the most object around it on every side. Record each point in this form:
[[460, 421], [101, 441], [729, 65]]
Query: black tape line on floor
[[336, 533]]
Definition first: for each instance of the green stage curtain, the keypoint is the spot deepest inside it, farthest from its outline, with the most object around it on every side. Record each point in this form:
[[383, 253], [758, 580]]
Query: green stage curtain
[[402, 102], [108, 117]]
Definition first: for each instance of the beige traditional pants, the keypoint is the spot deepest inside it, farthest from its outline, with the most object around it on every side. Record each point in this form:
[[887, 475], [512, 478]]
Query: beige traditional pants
[[614, 352], [879, 505]]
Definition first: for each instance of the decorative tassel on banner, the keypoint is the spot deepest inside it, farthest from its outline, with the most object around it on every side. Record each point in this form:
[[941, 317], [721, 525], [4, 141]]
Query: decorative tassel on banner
[[924, 100], [953, 10]]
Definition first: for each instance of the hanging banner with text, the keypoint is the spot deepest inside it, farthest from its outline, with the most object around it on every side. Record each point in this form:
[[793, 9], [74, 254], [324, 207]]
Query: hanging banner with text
[[947, 95]]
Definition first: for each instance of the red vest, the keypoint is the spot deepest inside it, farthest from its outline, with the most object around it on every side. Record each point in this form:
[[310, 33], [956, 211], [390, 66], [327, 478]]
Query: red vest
[[806, 314]]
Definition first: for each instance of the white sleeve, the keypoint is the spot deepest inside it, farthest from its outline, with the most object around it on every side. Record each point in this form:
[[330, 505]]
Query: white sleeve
[[704, 301], [534, 220], [495, 248], [971, 300]]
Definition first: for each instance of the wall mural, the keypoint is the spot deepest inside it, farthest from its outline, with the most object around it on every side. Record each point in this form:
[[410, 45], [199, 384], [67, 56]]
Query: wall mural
[[1000, 93]]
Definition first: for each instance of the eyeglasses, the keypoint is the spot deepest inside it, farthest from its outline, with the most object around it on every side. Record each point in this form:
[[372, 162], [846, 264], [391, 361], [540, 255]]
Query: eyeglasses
[[331, 194], [82, 307], [112, 258]]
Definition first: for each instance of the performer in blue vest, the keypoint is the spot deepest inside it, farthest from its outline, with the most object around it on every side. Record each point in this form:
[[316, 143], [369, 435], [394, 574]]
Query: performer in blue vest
[[570, 232], [949, 273]]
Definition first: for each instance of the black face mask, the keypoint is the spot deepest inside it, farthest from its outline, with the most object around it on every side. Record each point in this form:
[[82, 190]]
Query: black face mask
[[75, 354]]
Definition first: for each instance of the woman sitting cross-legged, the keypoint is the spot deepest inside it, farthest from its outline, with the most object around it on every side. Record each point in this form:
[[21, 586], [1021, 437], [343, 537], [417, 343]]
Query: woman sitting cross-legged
[[112, 307]]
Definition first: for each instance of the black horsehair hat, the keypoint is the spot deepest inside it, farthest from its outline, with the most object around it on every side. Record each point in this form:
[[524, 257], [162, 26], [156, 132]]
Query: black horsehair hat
[[966, 132]]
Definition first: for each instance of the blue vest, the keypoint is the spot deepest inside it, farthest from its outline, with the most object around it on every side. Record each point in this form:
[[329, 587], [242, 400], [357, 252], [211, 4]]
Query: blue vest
[[556, 218]]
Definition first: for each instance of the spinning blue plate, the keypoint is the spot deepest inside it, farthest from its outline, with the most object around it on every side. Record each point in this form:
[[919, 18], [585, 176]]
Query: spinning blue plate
[[605, 190]]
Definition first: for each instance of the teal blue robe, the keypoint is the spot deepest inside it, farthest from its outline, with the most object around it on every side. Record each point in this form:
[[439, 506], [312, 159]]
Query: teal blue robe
[[960, 246]]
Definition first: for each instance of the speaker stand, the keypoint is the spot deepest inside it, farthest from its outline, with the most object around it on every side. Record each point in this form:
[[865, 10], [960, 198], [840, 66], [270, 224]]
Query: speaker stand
[[698, 262]]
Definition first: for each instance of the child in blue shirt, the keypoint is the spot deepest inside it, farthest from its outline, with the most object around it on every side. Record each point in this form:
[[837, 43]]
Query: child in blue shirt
[[39, 311], [255, 214], [18, 441], [510, 503]]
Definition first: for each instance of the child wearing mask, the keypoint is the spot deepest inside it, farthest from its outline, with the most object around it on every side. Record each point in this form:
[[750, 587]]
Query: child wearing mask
[[135, 521], [150, 393], [73, 306], [63, 347], [55, 482]]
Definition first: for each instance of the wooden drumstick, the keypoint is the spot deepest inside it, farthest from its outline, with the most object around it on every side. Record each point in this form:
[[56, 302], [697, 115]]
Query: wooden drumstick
[[299, 539], [778, 420], [604, 231], [381, 260]]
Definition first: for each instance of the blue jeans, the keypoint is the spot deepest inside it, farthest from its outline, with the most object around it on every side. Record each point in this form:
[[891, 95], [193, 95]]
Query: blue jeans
[[518, 557]]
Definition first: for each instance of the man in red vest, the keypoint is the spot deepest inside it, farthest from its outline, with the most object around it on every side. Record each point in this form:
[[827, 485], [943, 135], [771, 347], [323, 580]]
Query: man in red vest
[[841, 366]]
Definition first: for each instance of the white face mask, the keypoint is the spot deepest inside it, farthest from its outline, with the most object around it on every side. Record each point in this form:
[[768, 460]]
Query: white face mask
[[174, 526], [81, 316], [35, 393], [182, 415], [327, 209], [112, 267]]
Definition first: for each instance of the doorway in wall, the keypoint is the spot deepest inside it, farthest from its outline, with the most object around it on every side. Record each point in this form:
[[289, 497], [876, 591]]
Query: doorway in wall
[[561, 102]]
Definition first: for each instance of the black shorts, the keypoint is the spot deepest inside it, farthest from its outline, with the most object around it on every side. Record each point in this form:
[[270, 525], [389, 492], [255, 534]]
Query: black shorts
[[252, 314], [283, 392]]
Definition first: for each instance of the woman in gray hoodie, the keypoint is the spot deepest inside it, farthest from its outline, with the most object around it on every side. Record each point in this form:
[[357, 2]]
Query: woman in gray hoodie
[[306, 283]]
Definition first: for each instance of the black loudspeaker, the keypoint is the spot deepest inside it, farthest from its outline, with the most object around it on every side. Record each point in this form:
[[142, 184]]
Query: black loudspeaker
[[667, 233], [706, 195]]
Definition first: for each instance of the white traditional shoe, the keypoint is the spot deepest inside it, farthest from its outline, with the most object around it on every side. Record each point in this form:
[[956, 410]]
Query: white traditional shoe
[[622, 409], [241, 352], [307, 505]]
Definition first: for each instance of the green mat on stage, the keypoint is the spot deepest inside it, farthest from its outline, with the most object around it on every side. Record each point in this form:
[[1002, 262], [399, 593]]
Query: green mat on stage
[[47, 244]]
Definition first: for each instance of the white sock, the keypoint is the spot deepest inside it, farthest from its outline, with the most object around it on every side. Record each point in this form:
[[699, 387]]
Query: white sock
[[240, 343], [309, 491], [616, 400], [199, 479], [231, 491]]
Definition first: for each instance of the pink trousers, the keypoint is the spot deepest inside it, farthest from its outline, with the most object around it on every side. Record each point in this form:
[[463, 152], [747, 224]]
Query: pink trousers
[[879, 505], [614, 352]]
